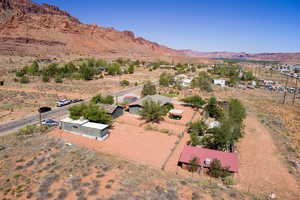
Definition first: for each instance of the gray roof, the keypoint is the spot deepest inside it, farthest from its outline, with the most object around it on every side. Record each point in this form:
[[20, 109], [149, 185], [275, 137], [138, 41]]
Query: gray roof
[[110, 108], [162, 99]]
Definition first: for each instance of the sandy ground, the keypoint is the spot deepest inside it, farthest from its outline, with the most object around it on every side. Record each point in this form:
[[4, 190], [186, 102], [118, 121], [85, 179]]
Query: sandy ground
[[261, 168], [129, 142]]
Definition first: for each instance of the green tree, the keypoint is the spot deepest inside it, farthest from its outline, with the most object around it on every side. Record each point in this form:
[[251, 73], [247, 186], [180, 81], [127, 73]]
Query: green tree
[[45, 78], [114, 69], [198, 127], [131, 69], [216, 170], [77, 111], [193, 164], [196, 101], [203, 82], [24, 80], [213, 109], [152, 111], [148, 89], [103, 100], [195, 140], [97, 114], [166, 79]]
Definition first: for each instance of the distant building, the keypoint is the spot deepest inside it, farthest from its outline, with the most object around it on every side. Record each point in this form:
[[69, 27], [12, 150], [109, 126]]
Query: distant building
[[85, 128], [297, 68], [206, 156], [220, 82], [167, 67], [135, 107]]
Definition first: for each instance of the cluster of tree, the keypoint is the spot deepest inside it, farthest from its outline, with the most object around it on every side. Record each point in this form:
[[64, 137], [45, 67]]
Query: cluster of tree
[[213, 108], [166, 79], [99, 99], [85, 69], [195, 101], [91, 112], [203, 82], [215, 170], [149, 89], [154, 111], [230, 127], [233, 72]]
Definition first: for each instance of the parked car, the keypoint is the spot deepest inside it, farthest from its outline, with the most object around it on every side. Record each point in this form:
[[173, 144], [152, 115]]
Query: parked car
[[76, 100], [44, 109], [50, 122], [62, 103]]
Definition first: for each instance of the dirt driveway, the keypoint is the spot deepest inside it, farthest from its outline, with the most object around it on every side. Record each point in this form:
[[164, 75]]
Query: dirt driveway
[[261, 168]]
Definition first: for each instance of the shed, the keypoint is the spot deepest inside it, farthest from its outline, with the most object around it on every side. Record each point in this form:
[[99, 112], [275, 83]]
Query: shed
[[85, 128], [175, 114], [114, 111], [228, 160], [135, 107]]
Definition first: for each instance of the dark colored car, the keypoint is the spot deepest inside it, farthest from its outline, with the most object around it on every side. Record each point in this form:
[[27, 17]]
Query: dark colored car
[[44, 109], [76, 100]]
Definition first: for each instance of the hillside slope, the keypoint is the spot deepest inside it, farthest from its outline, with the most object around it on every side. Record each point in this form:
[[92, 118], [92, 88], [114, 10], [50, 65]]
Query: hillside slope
[[27, 28]]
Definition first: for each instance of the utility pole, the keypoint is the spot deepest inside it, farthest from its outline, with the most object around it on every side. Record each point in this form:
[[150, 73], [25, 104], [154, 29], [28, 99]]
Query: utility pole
[[294, 96], [285, 90]]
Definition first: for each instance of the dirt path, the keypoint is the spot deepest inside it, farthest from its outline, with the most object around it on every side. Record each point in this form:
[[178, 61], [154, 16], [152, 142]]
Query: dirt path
[[262, 170]]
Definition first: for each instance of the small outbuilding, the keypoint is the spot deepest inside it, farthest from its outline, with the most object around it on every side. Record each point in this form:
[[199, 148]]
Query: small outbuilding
[[85, 128], [175, 114], [114, 111]]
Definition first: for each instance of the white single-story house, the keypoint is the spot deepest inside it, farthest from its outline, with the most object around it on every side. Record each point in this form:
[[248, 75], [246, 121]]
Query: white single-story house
[[85, 128], [220, 82]]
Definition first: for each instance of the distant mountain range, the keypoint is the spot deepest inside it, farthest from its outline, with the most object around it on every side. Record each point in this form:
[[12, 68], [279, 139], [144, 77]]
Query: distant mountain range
[[28, 28], [281, 57]]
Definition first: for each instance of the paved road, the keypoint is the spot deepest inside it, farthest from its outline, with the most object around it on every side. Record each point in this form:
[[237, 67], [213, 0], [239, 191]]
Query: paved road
[[55, 113]]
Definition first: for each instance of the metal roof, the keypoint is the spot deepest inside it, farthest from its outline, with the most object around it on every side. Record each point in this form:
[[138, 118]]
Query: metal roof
[[110, 108], [227, 159], [78, 121], [95, 125], [162, 99], [176, 111]]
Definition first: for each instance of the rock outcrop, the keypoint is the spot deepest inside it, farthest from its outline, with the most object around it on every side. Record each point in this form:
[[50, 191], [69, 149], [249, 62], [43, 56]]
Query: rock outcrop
[[27, 28]]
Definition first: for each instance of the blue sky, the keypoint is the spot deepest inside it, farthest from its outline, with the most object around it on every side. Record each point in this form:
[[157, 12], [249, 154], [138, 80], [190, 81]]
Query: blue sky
[[204, 25]]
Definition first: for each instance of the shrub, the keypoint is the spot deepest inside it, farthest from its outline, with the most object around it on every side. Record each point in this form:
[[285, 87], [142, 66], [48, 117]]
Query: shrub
[[152, 111], [216, 170], [124, 83], [45, 78], [131, 69], [24, 80], [104, 100], [195, 101], [58, 79], [198, 127], [228, 180], [31, 129]]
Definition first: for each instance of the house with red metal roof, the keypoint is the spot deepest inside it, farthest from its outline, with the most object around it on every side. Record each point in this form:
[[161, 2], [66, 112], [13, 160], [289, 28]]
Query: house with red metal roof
[[206, 156]]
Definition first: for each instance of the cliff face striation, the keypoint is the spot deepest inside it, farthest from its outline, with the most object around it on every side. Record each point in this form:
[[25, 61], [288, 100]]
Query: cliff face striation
[[27, 28]]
